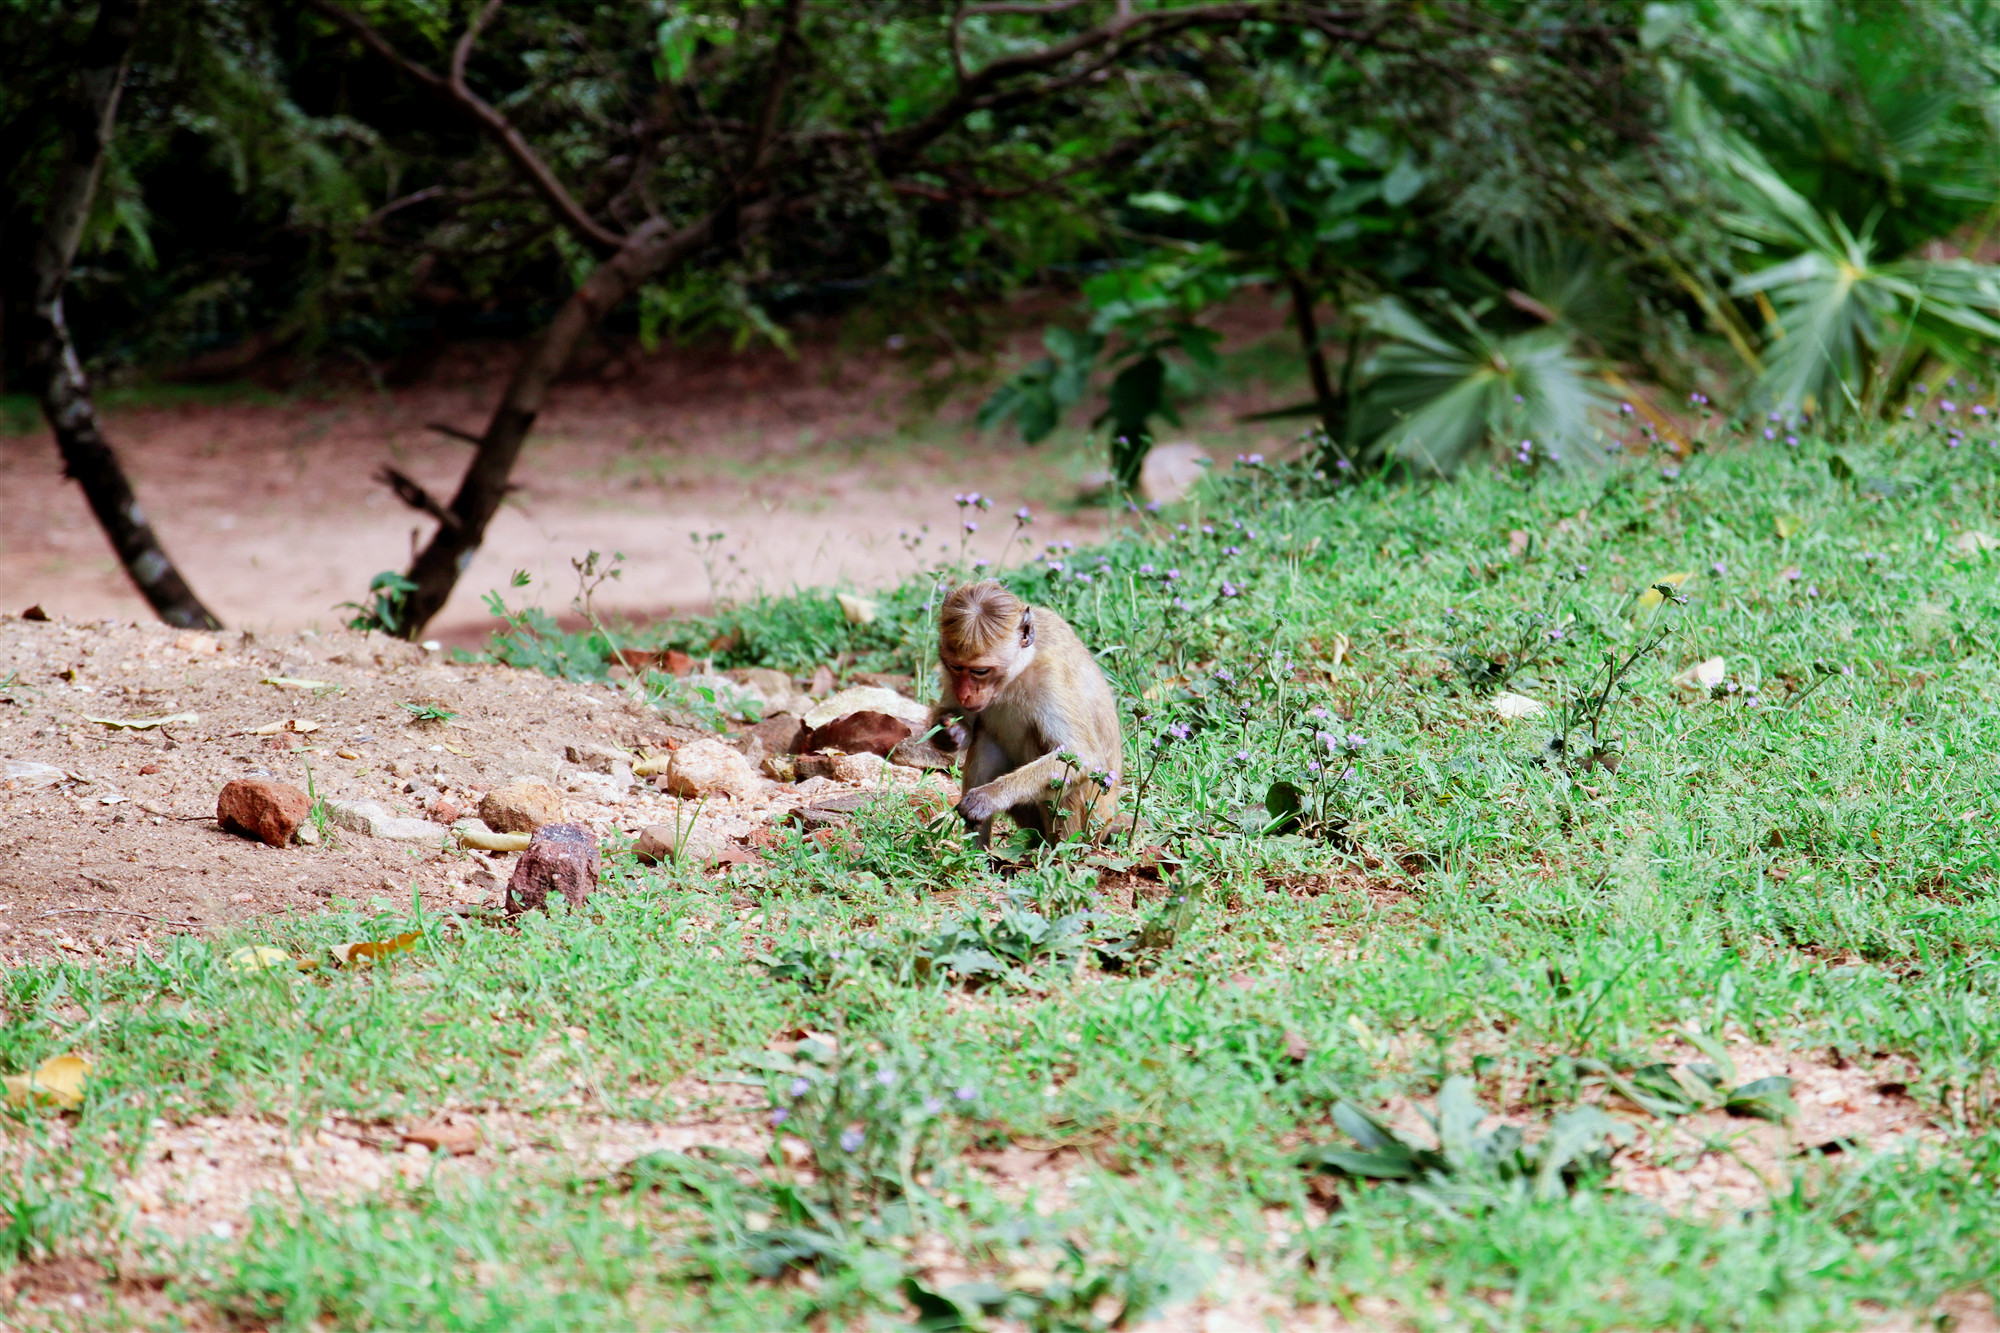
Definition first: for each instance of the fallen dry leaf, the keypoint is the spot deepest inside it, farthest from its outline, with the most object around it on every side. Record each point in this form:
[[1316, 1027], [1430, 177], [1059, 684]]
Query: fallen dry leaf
[[147, 723], [1652, 597], [858, 610], [1514, 707], [1975, 541], [486, 840], [1703, 675], [367, 951], [294, 724], [459, 1138], [1517, 543], [259, 958], [1296, 1045], [58, 1080], [296, 683]]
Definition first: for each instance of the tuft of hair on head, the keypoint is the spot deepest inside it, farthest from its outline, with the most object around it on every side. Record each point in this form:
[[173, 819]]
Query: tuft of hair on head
[[977, 617]]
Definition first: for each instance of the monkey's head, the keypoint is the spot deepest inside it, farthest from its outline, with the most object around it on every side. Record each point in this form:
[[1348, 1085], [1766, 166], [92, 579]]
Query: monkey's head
[[986, 637]]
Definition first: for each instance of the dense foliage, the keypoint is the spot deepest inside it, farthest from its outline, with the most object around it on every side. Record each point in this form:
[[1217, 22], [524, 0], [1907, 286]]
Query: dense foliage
[[1473, 211]]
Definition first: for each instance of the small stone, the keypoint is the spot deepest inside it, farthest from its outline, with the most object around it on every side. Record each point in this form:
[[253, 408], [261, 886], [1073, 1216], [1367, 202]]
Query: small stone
[[917, 752], [705, 767], [865, 731], [780, 733], [849, 768], [598, 758], [1171, 471], [599, 787], [403, 768], [270, 812], [307, 834], [660, 843], [374, 820], [521, 807], [348, 754], [561, 859], [444, 812], [781, 767]]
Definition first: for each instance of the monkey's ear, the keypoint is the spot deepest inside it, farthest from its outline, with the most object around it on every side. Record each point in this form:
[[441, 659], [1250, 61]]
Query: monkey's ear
[[1027, 627]]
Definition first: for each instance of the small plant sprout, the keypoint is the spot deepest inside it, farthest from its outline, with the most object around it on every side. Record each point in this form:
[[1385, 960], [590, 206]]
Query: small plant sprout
[[433, 714]]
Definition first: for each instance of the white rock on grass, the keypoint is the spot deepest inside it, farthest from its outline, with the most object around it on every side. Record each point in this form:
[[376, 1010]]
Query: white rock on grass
[[1171, 471], [705, 767]]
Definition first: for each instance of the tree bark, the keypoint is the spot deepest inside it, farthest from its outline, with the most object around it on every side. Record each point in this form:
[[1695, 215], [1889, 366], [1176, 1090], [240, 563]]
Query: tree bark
[[54, 369], [1322, 382], [650, 250]]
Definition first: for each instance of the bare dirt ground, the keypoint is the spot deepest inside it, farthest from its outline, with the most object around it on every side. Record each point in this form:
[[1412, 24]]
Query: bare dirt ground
[[124, 847], [810, 466]]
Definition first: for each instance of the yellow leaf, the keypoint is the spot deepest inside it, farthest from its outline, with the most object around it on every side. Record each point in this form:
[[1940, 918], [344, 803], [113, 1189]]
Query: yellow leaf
[[1514, 707], [295, 724], [146, 723], [296, 683], [352, 955], [58, 1079], [1787, 524], [1652, 597], [1703, 675], [259, 958], [485, 840], [858, 610]]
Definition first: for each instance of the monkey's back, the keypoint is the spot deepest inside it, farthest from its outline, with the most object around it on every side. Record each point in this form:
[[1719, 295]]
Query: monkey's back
[[1089, 725]]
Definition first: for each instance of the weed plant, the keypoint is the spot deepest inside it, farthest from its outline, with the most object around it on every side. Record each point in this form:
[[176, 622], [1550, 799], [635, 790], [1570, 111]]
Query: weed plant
[[1361, 882]]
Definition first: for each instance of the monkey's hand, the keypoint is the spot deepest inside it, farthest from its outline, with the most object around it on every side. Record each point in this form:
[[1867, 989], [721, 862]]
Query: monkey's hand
[[982, 803]]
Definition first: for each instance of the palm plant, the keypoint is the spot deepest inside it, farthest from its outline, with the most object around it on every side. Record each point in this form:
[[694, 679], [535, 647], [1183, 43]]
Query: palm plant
[[1847, 328], [1438, 391]]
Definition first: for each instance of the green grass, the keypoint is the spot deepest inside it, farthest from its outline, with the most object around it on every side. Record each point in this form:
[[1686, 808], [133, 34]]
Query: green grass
[[1794, 871]]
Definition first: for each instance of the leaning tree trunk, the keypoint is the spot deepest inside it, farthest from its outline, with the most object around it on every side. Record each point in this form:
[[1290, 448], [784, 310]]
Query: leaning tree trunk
[[649, 252], [54, 369]]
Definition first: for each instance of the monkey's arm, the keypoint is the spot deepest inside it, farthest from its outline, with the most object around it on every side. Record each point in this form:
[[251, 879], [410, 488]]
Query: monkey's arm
[[1025, 785]]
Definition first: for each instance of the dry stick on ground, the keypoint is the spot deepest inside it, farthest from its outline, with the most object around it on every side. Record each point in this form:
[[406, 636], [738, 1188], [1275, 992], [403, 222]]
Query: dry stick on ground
[[58, 375], [629, 260]]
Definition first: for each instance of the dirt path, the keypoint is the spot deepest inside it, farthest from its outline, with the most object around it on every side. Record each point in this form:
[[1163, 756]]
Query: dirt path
[[810, 468]]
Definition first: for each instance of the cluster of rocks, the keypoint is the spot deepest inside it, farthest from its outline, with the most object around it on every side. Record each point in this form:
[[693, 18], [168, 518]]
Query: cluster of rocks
[[779, 766]]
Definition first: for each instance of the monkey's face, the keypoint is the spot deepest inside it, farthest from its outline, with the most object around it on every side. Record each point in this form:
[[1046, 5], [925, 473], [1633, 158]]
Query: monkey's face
[[975, 682]]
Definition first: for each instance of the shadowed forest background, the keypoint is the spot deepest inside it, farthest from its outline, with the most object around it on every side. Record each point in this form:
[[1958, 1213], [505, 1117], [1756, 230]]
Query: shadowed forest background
[[345, 256]]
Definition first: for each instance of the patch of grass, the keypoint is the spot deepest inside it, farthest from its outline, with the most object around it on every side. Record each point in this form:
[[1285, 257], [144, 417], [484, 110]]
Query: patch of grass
[[1797, 854]]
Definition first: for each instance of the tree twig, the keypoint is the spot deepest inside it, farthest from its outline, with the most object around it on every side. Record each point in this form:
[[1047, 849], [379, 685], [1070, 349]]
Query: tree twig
[[411, 493], [446, 428], [455, 94]]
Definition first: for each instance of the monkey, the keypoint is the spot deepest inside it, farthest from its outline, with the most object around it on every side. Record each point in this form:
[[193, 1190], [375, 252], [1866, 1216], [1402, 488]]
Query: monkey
[[1030, 712]]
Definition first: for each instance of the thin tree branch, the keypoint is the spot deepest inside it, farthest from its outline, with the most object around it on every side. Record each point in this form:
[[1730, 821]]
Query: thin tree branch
[[454, 93], [411, 493], [446, 428]]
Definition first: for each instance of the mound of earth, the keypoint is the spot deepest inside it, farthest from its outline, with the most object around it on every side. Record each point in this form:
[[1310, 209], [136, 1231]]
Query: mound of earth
[[116, 739]]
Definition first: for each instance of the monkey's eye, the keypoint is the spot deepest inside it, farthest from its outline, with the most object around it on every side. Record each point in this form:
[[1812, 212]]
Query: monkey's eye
[[979, 673]]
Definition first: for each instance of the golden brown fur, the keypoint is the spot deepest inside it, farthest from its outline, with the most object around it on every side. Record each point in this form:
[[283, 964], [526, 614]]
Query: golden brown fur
[[1021, 691]]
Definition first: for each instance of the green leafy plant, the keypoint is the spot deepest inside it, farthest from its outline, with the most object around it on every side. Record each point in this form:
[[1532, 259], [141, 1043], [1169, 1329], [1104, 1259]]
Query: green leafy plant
[[435, 714], [1466, 1164], [385, 613]]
